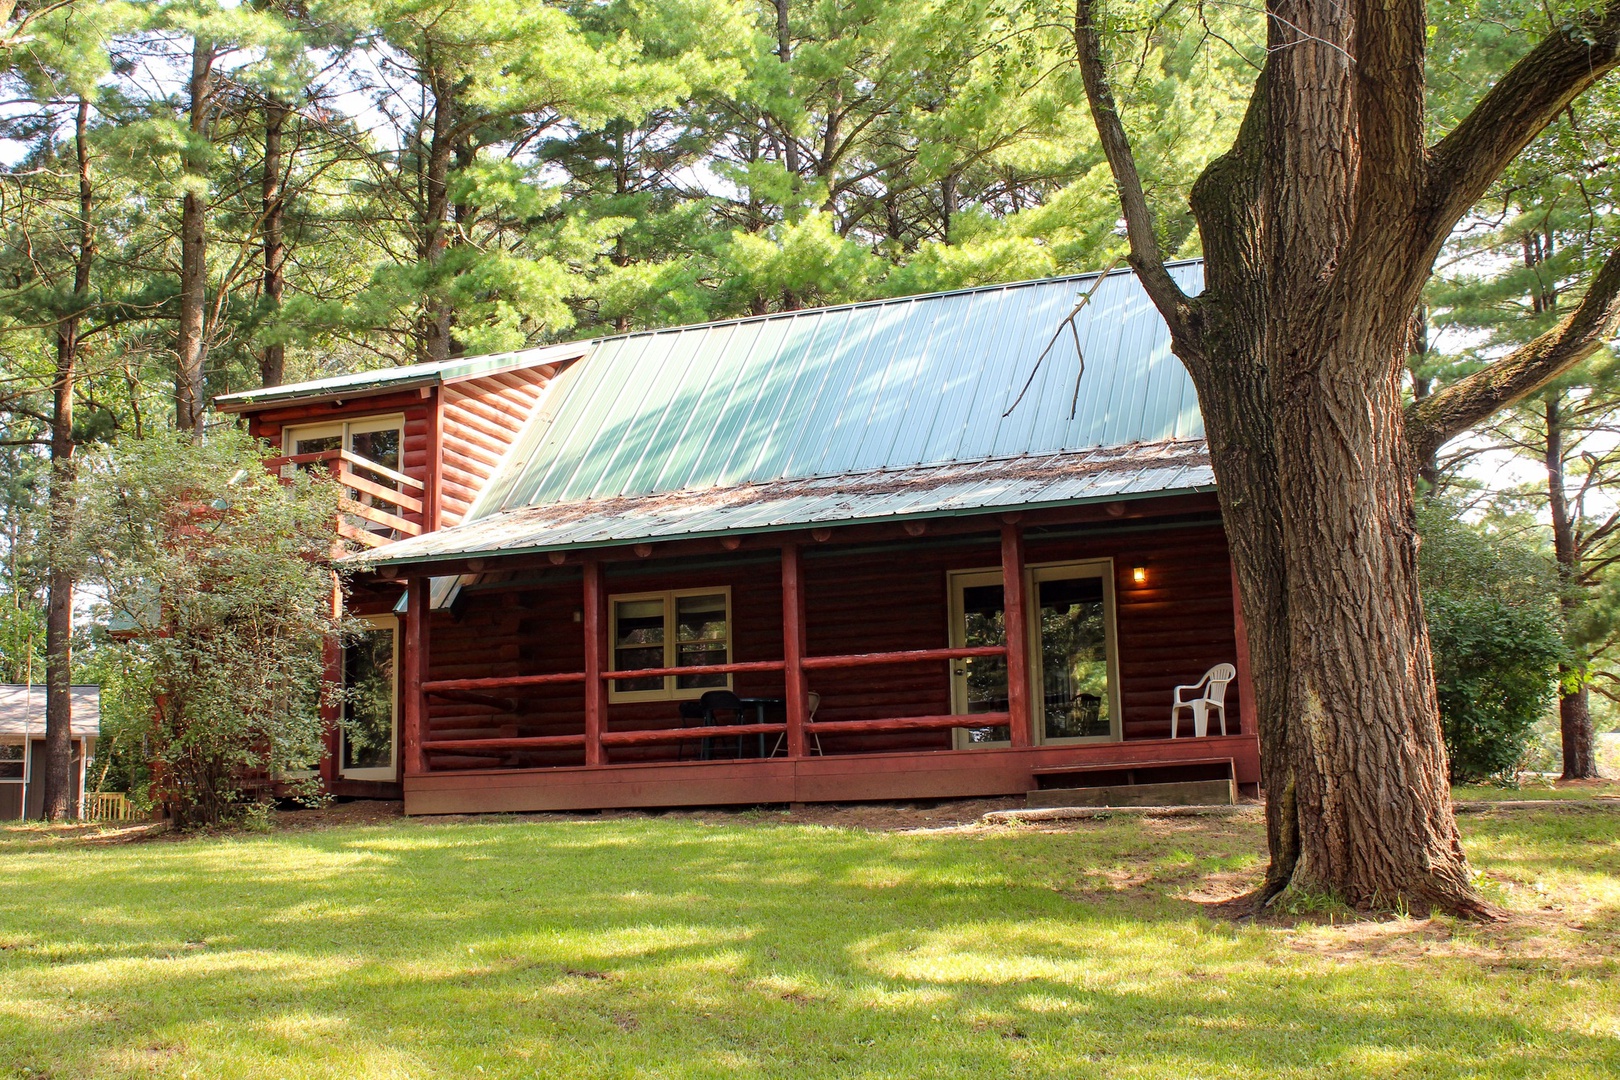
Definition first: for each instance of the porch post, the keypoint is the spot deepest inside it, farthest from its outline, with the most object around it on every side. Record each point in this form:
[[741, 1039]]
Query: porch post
[[793, 649], [414, 663], [1247, 718], [1012, 598], [595, 648], [332, 711]]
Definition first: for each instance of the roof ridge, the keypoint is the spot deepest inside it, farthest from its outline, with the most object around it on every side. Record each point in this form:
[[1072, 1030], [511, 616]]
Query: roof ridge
[[968, 290]]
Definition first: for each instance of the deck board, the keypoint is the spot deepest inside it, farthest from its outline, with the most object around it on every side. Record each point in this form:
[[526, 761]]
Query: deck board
[[972, 773]]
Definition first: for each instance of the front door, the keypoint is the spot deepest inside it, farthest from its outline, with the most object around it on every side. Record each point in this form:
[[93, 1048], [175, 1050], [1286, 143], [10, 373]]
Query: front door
[[978, 683], [369, 737], [1070, 633]]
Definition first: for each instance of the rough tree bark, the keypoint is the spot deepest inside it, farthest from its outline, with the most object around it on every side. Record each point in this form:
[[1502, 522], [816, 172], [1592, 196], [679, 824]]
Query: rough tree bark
[[191, 347], [59, 607], [1319, 229], [273, 359]]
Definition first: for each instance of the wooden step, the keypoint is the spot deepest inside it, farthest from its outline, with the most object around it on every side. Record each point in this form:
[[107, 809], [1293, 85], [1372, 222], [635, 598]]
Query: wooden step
[[1183, 793]]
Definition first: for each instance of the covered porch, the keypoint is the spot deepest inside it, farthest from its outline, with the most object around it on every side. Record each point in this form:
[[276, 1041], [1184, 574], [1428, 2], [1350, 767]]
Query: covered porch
[[875, 662]]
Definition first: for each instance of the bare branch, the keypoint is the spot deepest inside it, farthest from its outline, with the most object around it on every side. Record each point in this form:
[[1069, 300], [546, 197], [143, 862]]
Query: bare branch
[[1145, 257], [1458, 407]]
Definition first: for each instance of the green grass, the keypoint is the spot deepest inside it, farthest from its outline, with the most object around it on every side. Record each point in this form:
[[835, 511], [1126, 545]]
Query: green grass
[[741, 946], [1534, 789]]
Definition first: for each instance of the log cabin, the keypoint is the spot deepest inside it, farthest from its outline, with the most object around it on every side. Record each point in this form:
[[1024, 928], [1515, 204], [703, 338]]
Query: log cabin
[[952, 545]]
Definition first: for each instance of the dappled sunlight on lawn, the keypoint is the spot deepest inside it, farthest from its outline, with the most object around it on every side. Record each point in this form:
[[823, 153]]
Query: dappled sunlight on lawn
[[743, 947]]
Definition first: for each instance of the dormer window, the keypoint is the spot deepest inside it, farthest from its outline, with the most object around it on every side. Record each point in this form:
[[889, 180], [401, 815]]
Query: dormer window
[[376, 438], [365, 455]]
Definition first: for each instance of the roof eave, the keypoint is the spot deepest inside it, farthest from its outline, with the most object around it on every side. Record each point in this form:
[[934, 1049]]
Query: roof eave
[[373, 560]]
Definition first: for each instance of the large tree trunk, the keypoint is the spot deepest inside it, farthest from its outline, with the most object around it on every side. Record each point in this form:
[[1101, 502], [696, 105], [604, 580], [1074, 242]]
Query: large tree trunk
[[59, 608], [191, 348], [273, 359], [1320, 227]]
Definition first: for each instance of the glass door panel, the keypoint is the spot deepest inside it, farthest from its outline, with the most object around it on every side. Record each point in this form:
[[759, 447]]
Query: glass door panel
[[1074, 702], [979, 682], [368, 709]]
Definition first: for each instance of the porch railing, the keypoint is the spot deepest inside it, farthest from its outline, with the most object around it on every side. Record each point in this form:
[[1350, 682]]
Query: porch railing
[[376, 498], [597, 739], [457, 688]]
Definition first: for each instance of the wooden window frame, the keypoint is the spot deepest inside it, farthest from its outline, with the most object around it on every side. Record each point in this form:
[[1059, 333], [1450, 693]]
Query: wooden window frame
[[391, 772], [358, 425], [1034, 574], [670, 691]]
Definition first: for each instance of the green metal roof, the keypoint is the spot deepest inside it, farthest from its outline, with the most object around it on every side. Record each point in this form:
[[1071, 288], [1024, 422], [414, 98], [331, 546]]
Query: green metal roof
[[399, 378], [890, 391], [889, 384]]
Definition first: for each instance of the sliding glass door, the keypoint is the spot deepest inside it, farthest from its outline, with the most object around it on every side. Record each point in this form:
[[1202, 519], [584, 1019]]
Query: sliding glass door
[[1070, 630]]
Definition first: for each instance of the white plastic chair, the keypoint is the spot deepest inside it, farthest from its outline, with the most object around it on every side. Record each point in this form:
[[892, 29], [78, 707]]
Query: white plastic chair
[[813, 699], [1212, 696]]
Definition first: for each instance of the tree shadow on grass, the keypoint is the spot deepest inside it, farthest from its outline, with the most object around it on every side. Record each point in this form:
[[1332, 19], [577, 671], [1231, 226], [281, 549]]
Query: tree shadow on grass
[[676, 949]]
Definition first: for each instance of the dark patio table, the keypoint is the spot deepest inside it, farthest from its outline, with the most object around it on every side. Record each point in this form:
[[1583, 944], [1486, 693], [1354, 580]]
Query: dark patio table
[[759, 705]]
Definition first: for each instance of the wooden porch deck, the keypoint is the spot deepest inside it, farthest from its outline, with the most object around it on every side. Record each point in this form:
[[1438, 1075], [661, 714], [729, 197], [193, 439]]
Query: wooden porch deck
[[969, 773]]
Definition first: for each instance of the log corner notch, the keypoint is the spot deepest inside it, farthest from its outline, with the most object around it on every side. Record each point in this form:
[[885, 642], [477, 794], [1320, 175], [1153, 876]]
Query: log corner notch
[[1448, 412]]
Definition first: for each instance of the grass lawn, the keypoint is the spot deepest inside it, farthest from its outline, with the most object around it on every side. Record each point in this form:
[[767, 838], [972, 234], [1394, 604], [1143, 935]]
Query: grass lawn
[[716, 945]]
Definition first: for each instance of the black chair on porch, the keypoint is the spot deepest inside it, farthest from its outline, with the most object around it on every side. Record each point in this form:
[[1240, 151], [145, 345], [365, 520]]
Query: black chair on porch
[[717, 708]]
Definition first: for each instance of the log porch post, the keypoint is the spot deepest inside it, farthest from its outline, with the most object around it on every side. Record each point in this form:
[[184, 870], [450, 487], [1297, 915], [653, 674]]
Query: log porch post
[[793, 650], [595, 651], [1246, 708], [1017, 630], [415, 662]]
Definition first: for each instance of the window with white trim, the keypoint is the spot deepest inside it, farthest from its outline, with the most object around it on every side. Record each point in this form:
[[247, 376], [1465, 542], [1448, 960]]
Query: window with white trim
[[12, 757], [673, 629]]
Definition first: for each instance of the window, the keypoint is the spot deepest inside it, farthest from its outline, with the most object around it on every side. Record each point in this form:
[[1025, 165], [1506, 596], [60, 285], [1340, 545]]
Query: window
[[376, 438], [369, 732], [379, 438], [684, 628], [11, 761]]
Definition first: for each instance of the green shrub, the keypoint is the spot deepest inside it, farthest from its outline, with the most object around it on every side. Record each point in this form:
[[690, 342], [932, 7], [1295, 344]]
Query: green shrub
[[1494, 626]]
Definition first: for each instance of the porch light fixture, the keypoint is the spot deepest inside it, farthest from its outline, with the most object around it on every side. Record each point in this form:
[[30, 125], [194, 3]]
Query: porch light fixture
[[1139, 574]]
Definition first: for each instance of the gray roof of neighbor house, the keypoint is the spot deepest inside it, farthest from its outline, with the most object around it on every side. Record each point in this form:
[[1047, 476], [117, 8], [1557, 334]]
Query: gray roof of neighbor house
[[22, 710], [893, 408], [383, 380]]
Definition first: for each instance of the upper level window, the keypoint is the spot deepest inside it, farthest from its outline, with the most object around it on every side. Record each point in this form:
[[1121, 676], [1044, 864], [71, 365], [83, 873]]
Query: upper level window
[[682, 628], [376, 438]]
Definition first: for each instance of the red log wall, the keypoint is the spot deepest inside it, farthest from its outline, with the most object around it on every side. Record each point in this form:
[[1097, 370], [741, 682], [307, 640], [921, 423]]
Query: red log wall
[[481, 418], [1169, 630]]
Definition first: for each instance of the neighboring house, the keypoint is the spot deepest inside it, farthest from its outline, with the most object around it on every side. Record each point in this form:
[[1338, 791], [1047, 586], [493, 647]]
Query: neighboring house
[[22, 746], [832, 514]]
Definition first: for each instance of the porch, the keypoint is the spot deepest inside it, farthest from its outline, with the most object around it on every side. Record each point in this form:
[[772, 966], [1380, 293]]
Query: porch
[[525, 696]]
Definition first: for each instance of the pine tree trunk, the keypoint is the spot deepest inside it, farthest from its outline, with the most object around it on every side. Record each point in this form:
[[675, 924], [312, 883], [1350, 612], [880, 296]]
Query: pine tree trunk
[[273, 359], [59, 607], [1574, 709], [436, 315], [191, 348]]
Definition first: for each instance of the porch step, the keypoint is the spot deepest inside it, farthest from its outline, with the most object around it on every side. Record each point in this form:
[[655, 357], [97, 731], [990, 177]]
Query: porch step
[[1178, 793]]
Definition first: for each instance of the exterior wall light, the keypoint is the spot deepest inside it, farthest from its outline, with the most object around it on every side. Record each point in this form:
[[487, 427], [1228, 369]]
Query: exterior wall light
[[1139, 574]]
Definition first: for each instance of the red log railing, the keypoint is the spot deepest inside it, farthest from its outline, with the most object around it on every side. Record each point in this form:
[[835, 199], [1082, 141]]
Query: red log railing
[[372, 512], [595, 739], [652, 736]]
